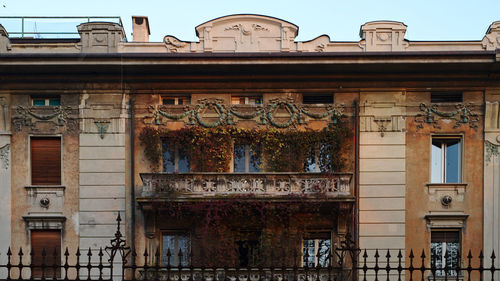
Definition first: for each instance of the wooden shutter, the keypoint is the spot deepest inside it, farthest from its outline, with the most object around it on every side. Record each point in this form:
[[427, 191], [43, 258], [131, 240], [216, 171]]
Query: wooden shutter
[[50, 241], [45, 161]]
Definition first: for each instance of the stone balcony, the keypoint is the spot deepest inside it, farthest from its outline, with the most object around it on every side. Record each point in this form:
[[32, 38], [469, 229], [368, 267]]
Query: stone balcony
[[181, 186]]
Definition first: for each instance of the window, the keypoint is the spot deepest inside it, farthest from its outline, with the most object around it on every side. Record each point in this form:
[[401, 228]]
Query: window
[[326, 98], [177, 100], [316, 248], [446, 163], [445, 250], [45, 161], [313, 161], [442, 97], [246, 100], [46, 101], [175, 159], [246, 159], [248, 248], [48, 241], [172, 245]]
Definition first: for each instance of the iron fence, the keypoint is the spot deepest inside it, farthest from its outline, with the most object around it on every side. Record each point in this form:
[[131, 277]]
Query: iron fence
[[118, 261]]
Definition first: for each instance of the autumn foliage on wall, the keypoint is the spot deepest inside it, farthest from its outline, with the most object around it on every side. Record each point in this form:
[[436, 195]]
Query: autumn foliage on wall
[[211, 149]]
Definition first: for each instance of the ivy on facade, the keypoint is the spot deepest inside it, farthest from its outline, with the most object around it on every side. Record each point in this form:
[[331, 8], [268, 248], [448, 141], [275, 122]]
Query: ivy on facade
[[211, 149]]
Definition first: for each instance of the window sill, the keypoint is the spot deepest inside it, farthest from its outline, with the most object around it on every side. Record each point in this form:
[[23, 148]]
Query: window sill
[[33, 190], [459, 188]]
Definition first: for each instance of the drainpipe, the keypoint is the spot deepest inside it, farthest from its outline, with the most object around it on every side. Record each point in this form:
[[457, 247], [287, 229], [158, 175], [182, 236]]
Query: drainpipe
[[356, 178], [132, 176]]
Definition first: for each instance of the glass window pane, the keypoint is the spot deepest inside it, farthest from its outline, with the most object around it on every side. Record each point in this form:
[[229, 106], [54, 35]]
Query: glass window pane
[[254, 165], [39, 102], [324, 246], [312, 163], [239, 158], [55, 102], [308, 253], [168, 159], [168, 101], [436, 162], [183, 161], [168, 245], [183, 245], [453, 161]]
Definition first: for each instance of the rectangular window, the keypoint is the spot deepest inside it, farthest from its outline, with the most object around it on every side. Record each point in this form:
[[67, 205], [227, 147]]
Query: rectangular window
[[326, 98], [247, 244], [175, 249], [443, 97], [445, 250], [45, 101], [46, 248], [446, 162], [246, 159], [45, 161], [316, 249], [314, 159], [246, 100], [176, 100], [175, 159]]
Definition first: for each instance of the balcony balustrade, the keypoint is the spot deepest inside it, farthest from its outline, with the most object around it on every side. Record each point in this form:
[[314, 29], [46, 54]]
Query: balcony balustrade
[[205, 185]]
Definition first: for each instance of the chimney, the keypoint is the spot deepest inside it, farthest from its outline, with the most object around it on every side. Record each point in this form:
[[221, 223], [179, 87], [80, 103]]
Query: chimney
[[140, 29]]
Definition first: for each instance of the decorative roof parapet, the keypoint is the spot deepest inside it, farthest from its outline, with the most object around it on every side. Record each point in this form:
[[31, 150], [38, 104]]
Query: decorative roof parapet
[[100, 37], [383, 36], [491, 41], [4, 40], [240, 33]]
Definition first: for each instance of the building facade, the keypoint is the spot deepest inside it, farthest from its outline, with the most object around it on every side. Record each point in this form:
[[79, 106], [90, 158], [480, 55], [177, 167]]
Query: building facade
[[248, 146]]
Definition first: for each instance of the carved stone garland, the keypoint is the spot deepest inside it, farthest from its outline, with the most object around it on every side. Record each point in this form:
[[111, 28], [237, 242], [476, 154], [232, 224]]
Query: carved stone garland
[[462, 115], [28, 117], [4, 156], [491, 150], [266, 114]]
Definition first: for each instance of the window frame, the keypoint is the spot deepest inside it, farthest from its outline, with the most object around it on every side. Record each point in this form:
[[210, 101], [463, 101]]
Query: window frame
[[247, 158], [318, 94], [443, 172], [186, 99], [46, 99], [440, 270], [30, 155], [247, 99], [316, 236], [176, 158], [176, 233]]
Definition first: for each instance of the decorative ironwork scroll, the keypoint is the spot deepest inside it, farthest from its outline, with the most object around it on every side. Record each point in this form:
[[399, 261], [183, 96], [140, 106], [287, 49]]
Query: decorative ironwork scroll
[[462, 115], [209, 113]]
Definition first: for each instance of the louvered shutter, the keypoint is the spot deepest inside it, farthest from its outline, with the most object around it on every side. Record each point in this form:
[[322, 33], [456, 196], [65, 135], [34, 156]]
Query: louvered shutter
[[45, 161], [50, 241]]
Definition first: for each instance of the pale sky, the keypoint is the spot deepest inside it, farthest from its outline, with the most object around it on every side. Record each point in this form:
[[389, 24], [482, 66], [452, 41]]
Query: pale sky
[[341, 20]]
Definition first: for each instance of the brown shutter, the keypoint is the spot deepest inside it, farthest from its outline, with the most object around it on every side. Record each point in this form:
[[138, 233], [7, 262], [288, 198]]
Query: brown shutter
[[45, 161], [50, 241]]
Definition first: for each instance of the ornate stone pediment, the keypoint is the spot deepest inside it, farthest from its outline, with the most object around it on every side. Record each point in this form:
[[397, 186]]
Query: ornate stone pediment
[[491, 41], [239, 33]]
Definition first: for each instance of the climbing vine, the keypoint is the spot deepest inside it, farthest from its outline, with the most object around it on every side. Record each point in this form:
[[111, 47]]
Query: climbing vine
[[275, 150], [278, 226]]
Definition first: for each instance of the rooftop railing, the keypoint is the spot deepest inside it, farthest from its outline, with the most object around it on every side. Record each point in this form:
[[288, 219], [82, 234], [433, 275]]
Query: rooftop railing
[[49, 27]]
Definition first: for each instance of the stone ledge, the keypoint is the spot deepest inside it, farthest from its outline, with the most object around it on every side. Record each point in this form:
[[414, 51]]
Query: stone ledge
[[44, 221], [458, 187]]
